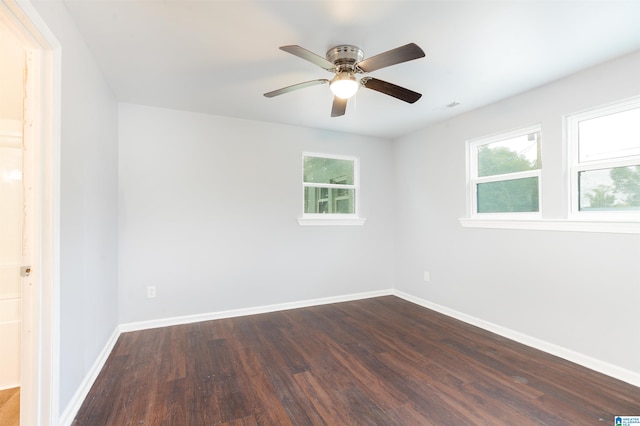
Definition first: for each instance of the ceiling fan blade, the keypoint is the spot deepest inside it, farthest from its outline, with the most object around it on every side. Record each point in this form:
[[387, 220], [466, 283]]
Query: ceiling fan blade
[[405, 53], [296, 87], [305, 54], [339, 106], [390, 89]]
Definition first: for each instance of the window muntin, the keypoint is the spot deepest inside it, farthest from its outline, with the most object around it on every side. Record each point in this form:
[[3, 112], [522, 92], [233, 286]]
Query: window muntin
[[604, 147], [330, 186], [505, 172]]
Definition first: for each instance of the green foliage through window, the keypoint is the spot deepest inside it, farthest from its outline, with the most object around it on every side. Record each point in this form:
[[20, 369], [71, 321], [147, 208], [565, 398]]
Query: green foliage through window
[[329, 185], [507, 173], [516, 195], [610, 189], [499, 160], [328, 170]]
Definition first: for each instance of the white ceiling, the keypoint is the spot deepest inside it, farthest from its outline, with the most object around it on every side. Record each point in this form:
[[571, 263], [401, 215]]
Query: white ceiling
[[219, 57]]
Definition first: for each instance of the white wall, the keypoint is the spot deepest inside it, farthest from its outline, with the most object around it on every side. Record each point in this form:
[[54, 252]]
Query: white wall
[[576, 290], [88, 198], [208, 210]]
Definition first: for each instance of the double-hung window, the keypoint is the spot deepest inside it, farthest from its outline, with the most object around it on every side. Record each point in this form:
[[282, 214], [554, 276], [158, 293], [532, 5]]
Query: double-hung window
[[505, 173], [330, 188], [604, 157]]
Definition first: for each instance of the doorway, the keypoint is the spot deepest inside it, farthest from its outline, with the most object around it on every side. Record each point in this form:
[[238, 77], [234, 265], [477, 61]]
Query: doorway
[[31, 143], [12, 231]]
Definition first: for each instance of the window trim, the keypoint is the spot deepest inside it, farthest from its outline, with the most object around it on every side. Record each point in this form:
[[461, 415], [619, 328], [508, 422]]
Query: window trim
[[338, 219], [586, 221], [472, 147], [574, 166], [611, 227]]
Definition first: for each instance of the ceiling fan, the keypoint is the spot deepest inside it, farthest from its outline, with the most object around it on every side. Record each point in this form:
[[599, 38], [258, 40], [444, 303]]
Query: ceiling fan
[[346, 61]]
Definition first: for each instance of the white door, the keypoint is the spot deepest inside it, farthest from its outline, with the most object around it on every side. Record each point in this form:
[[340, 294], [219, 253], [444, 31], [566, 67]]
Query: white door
[[11, 214], [12, 207]]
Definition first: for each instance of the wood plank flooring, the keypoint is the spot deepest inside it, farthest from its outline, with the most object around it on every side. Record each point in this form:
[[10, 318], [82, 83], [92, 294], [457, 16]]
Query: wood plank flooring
[[10, 407], [380, 361]]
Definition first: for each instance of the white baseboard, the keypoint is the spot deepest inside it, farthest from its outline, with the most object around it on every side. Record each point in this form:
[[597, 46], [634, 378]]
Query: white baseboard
[[165, 322], [69, 413], [559, 351]]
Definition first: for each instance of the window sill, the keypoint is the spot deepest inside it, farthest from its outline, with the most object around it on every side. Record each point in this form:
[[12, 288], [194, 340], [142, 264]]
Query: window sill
[[616, 227], [303, 221]]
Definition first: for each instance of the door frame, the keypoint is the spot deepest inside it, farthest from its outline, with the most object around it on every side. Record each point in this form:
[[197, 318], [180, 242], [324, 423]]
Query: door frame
[[39, 396]]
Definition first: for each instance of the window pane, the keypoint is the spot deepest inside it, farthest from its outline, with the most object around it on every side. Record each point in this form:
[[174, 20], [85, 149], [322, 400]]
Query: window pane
[[517, 195], [328, 170], [517, 154], [615, 189], [610, 136], [329, 200]]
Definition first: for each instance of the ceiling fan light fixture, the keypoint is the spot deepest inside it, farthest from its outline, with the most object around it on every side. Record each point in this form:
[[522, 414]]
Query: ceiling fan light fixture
[[344, 85]]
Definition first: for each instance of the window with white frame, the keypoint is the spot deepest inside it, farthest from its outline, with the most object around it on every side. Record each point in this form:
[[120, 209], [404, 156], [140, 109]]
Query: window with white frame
[[330, 186], [604, 155], [505, 173]]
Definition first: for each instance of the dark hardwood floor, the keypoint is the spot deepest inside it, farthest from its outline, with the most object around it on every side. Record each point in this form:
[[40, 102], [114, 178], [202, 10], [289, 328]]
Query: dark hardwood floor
[[381, 361]]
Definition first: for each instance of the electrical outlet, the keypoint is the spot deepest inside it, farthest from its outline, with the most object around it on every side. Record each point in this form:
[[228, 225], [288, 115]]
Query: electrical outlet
[[426, 276], [151, 292]]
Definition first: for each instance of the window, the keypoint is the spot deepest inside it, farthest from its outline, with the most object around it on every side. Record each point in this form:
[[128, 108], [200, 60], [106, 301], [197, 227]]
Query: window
[[604, 155], [595, 187], [330, 187], [504, 173]]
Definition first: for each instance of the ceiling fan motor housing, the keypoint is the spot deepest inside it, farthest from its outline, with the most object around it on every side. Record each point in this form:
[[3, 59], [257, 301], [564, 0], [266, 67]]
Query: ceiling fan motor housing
[[345, 56]]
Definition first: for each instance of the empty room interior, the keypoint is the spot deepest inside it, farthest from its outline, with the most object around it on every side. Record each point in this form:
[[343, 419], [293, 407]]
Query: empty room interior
[[206, 230]]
